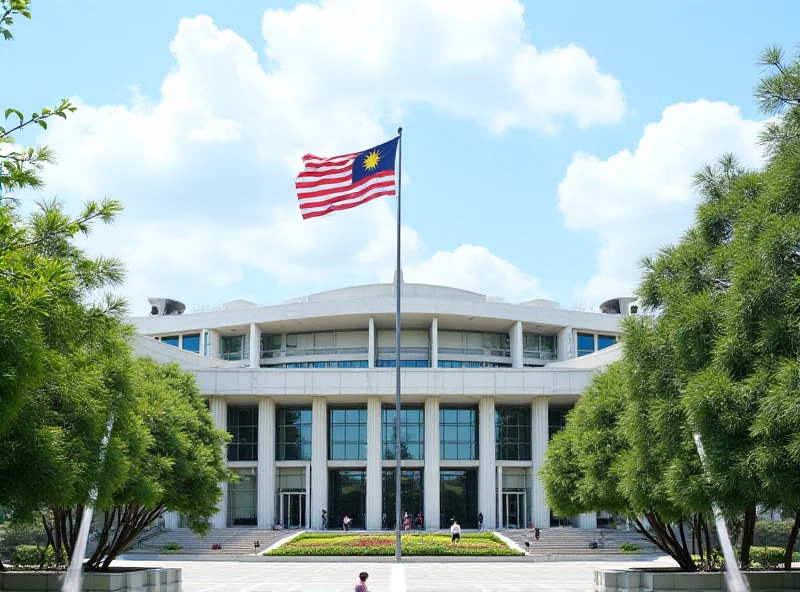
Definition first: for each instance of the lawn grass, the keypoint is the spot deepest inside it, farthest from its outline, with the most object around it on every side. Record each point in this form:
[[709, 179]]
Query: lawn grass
[[325, 544]]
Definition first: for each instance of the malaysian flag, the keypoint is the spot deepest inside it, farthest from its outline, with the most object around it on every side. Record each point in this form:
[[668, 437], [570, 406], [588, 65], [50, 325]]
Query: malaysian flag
[[342, 182]]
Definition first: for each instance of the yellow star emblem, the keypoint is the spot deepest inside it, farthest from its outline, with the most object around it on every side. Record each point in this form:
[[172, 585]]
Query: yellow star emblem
[[372, 160]]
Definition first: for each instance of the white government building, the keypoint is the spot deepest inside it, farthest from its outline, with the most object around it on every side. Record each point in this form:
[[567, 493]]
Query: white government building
[[306, 389]]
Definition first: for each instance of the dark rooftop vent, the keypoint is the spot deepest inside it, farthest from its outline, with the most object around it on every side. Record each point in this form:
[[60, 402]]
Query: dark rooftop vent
[[165, 306]]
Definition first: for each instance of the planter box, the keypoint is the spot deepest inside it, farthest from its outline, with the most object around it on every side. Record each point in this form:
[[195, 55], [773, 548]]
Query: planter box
[[142, 580], [656, 580]]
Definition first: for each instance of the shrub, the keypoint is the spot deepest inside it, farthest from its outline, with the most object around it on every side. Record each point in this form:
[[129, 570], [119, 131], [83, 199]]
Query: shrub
[[629, 548], [770, 557], [171, 547], [34, 556]]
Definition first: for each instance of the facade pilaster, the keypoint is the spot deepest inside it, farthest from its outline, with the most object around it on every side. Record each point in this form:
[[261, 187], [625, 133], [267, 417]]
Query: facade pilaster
[[374, 464], [319, 460], [486, 455], [255, 346], [431, 473], [266, 463], [539, 442], [434, 356], [219, 411]]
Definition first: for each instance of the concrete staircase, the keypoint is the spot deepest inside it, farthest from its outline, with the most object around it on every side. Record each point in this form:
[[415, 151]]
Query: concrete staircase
[[576, 541], [232, 540]]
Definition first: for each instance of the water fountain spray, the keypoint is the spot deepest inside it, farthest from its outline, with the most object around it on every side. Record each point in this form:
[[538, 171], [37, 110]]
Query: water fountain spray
[[73, 582], [733, 576]]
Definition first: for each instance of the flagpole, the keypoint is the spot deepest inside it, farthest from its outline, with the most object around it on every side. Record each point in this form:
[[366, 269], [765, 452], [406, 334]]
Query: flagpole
[[398, 507]]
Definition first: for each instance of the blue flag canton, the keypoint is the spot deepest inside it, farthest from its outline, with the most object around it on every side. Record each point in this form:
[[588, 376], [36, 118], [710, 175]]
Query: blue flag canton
[[379, 159]]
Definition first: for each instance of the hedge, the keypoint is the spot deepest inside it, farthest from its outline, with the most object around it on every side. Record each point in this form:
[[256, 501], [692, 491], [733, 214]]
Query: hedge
[[33, 556], [324, 544]]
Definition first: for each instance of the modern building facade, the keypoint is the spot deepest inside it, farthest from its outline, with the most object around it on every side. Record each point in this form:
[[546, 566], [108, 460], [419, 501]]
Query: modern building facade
[[306, 390]]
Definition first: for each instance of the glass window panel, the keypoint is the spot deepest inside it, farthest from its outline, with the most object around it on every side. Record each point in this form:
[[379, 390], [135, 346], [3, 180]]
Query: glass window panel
[[171, 340], [352, 452], [449, 415], [192, 343], [585, 344], [337, 433], [603, 341], [338, 415], [464, 433], [450, 433], [352, 416], [464, 415]]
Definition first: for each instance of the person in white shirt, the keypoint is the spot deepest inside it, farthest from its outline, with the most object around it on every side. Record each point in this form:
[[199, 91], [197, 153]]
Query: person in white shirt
[[455, 533]]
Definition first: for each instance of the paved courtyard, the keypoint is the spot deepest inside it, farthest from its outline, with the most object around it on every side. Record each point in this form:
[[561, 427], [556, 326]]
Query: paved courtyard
[[217, 576]]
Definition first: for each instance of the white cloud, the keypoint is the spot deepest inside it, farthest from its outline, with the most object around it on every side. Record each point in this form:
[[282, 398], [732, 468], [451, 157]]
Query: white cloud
[[638, 201], [474, 268], [206, 172]]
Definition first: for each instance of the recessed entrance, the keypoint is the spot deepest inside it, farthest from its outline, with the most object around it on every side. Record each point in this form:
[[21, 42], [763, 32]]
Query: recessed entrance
[[293, 510], [514, 507]]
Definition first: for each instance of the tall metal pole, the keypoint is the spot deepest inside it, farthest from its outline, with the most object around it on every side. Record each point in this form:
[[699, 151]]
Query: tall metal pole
[[398, 508]]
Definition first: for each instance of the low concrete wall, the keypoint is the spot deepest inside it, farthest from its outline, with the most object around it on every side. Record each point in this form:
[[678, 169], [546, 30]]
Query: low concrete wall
[[654, 581], [143, 580]]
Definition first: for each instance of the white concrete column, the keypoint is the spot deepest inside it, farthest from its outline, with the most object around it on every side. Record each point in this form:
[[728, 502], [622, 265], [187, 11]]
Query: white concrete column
[[588, 520], [266, 463], [515, 341], [308, 497], [500, 498], [371, 347], [219, 411], [213, 343], [180, 342], [431, 474], [319, 460], [374, 464], [255, 346], [434, 357], [564, 344], [539, 442], [171, 520], [486, 455]]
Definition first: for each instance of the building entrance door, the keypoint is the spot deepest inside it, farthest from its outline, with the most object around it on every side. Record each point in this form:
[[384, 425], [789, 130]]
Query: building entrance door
[[514, 509], [293, 510]]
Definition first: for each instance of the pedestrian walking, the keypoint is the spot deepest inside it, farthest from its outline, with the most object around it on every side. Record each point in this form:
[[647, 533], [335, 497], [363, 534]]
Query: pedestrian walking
[[480, 520], [455, 533], [536, 532], [324, 520], [346, 523]]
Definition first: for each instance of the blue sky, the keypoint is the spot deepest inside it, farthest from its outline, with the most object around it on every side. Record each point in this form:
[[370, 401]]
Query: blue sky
[[546, 206]]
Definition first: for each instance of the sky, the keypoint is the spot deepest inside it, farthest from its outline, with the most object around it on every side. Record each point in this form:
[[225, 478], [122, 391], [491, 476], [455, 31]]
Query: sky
[[547, 146]]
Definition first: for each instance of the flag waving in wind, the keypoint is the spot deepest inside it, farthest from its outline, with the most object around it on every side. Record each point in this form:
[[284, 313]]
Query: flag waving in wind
[[342, 182]]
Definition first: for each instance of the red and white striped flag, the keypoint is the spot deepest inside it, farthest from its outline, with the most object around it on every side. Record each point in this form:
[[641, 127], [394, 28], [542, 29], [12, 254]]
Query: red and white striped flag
[[342, 182]]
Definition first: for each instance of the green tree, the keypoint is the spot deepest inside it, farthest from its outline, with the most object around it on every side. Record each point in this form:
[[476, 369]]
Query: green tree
[[717, 354], [168, 457]]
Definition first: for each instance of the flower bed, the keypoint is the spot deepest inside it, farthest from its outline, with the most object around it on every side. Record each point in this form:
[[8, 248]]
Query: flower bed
[[314, 544]]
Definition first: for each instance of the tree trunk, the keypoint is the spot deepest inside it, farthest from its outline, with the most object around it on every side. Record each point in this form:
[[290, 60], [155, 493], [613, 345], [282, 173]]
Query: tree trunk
[[787, 556], [664, 538], [748, 533], [709, 547]]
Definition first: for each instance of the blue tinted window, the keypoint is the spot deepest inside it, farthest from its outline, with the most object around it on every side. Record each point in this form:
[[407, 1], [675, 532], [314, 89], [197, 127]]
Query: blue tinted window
[[585, 344], [172, 340], [347, 433], [603, 341], [458, 433], [192, 343], [293, 433], [403, 363], [412, 433]]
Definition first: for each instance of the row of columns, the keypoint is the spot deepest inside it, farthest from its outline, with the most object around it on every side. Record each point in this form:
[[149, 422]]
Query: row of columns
[[564, 344], [489, 477]]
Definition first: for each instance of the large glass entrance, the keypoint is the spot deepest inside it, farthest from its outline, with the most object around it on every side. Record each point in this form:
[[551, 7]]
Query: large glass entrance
[[347, 496], [243, 501], [293, 510], [411, 497], [513, 509], [459, 498]]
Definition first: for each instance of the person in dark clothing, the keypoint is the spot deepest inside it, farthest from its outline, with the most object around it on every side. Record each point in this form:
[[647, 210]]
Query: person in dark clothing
[[324, 520], [480, 521], [536, 532]]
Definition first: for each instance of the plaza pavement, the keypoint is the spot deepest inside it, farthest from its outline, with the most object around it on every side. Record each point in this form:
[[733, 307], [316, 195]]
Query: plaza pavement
[[322, 576]]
